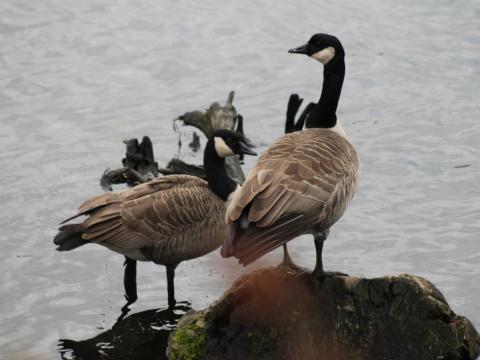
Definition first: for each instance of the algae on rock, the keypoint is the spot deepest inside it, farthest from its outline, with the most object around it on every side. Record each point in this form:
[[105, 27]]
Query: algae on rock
[[188, 343]]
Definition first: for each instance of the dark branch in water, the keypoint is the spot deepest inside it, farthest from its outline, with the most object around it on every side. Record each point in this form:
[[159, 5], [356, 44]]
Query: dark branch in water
[[294, 103], [177, 166], [195, 144], [139, 162], [139, 165], [216, 117]]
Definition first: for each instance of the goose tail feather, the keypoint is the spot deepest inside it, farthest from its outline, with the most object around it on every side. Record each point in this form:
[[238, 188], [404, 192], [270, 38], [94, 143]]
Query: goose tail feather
[[251, 243], [69, 237]]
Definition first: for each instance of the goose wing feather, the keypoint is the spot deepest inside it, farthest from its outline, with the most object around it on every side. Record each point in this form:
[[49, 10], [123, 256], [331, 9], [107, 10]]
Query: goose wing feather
[[174, 210], [298, 173], [150, 212], [311, 172]]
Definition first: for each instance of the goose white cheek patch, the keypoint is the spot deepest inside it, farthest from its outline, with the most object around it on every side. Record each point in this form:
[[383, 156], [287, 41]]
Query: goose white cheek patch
[[325, 55], [222, 149]]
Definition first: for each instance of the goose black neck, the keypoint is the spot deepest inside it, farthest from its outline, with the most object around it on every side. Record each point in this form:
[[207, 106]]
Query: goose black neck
[[324, 113], [218, 180]]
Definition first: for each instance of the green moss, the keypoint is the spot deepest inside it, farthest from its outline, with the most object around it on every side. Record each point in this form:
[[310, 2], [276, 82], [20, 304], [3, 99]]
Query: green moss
[[188, 341], [262, 343]]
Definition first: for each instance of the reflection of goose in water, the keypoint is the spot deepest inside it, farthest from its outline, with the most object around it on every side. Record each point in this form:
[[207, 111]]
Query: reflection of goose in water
[[143, 335]]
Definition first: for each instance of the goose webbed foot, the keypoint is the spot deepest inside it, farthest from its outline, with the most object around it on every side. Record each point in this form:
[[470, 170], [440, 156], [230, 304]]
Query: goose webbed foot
[[287, 260], [320, 274]]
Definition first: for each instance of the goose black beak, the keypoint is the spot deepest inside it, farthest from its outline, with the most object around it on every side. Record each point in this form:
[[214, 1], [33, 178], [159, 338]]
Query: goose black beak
[[299, 50], [244, 149]]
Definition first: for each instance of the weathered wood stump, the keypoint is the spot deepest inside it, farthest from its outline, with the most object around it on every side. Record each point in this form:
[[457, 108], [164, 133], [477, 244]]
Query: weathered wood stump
[[294, 103], [214, 118], [279, 313], [139, 165], [139, 162]]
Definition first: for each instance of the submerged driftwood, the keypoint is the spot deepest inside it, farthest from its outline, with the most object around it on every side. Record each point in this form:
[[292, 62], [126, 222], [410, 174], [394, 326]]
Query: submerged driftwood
[[294, 103], [279, 313], [139, 163], [214, 118]]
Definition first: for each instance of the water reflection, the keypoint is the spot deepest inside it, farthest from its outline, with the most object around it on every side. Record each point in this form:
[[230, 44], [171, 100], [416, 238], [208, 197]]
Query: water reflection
[[142, 335]]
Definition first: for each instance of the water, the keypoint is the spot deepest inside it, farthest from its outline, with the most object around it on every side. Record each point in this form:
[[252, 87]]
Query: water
[[76, 78]]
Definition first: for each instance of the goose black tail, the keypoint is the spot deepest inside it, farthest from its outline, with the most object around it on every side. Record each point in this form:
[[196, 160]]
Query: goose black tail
[[250, 244], [69, 237]]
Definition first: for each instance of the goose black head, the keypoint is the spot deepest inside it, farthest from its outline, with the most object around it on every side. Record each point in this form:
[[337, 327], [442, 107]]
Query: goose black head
[[321, 47], [228, 143]]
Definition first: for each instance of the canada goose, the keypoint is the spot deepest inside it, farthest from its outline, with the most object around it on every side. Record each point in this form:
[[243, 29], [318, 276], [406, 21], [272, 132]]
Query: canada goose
[[304, 180], [167, 220]]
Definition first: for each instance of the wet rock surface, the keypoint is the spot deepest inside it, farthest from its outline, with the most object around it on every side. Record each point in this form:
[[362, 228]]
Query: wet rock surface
[[280, 313]]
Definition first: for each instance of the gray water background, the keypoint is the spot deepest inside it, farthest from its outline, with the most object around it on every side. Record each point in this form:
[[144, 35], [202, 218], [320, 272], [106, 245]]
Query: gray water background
[[76, 78]]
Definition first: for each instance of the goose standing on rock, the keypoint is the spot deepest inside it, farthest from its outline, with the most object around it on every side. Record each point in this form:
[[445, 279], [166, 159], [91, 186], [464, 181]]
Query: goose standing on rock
[[304, 181], [167, 220]]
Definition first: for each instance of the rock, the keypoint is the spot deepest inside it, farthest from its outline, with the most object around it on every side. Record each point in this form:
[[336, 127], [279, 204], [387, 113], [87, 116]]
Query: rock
[[280, 313]]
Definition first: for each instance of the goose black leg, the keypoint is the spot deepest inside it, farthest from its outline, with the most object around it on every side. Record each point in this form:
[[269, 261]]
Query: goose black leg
[[318, 272], [170, 285], [319, 238], [130, 280]]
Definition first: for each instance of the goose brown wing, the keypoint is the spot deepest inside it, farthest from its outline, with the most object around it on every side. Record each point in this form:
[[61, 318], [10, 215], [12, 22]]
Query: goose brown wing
[[300, 173], [135, 218], [173, 211], [100, 201]]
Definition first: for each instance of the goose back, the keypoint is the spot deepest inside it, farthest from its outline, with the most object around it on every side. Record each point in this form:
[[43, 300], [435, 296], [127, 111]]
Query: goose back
[[167, 220], [313, 172]]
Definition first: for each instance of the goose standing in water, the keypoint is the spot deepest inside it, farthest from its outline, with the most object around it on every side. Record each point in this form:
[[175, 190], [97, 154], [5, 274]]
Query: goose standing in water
[[167, 220], [304, 180]]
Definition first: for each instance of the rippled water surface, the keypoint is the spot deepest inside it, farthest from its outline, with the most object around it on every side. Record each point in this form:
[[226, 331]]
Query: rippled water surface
[[77, 77]]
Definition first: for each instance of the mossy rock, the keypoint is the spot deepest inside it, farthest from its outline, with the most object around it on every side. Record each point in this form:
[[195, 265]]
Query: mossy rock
[[280, 313], [188, 342]]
